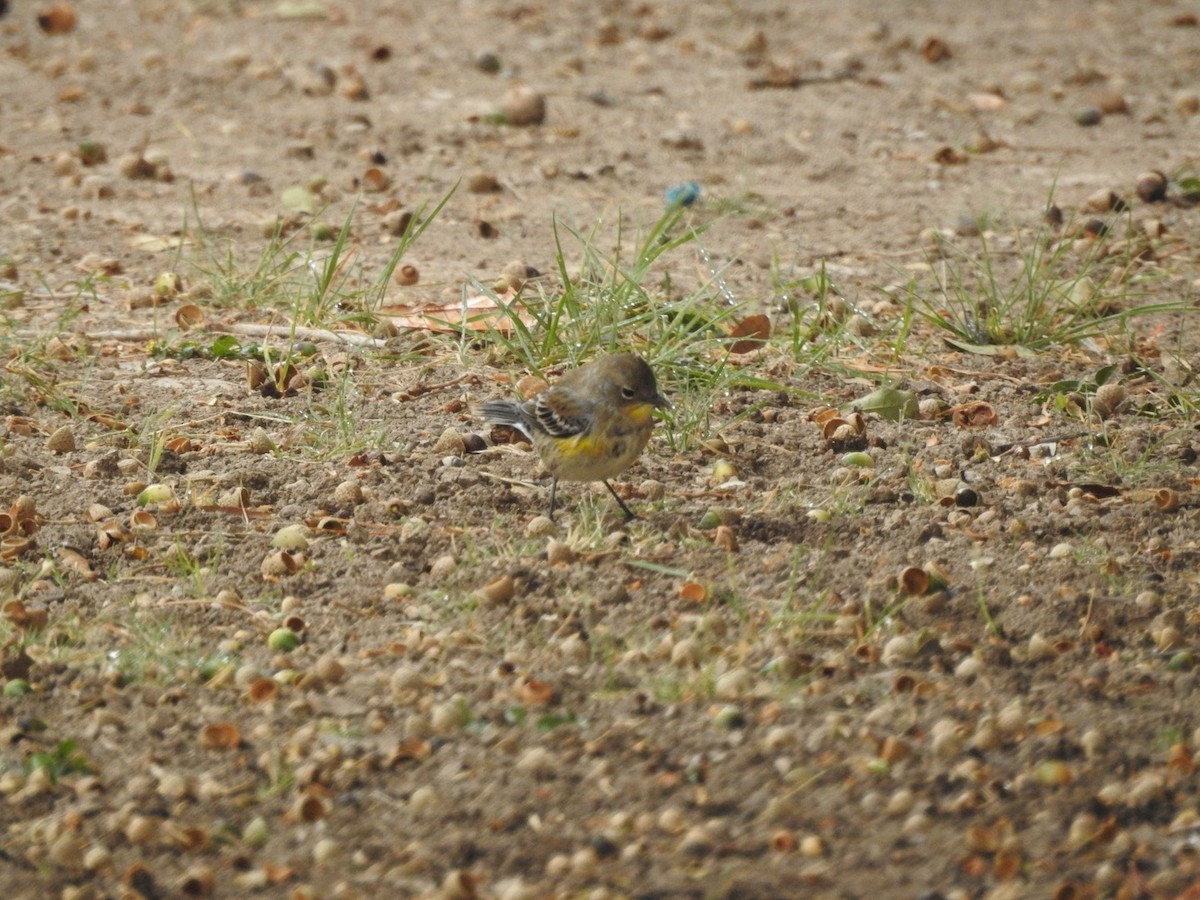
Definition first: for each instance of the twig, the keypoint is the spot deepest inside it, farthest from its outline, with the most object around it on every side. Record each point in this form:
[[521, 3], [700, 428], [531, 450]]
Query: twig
[[356, 338]]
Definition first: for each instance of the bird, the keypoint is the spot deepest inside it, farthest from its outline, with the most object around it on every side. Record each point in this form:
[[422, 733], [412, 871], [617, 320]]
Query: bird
[[591, 424]]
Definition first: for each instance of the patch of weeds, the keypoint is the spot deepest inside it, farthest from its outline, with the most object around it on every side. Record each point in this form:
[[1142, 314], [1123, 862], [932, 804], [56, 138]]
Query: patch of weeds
[[155, 649], [320, 285], [334, 427], [818, 314], [65, 758], [192, 568], [1041, 295], [517, 715], [31, 360], [281, 775], [793, 619], [1170, 736], [623, 302], [747, 203], [1185, 184]]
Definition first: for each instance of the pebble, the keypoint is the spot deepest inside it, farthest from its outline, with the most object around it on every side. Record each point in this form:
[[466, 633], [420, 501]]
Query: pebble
[[62, 440], [483, 183], [901, 803], [260, 442], [540, 526], [559, 553], [487, 61], [1151, 187], [450, 441], [443, 566], [734, 683], [685, 653], [536, 761], [1187, 103], [348, 493], [898, 650], [523, 106], [696, 842]]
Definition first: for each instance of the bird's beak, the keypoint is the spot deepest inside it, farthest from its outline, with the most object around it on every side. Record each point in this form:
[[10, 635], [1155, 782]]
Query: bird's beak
[[661, 402]]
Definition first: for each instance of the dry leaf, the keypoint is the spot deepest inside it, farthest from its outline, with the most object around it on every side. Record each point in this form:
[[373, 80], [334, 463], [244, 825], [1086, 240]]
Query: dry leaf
[[534, 692], [754, 332], [973, 415], [478, 313], [220, 736], [73, 559]]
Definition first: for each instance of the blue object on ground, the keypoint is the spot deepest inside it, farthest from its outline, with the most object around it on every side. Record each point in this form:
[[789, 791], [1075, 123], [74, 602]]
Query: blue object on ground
[[683, 194]]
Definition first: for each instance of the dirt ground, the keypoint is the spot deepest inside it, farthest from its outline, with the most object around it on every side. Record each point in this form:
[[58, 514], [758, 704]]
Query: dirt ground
[[485, 704]]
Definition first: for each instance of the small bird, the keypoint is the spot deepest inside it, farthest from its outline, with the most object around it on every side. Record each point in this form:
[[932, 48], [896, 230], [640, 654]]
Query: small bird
[[591, 424]]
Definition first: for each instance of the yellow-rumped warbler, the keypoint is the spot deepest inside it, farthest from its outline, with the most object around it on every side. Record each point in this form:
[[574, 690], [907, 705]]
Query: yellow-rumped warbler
[[591, 424]]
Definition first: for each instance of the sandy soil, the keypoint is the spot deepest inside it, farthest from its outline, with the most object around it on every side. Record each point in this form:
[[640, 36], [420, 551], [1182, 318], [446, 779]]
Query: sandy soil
[[486, 705]]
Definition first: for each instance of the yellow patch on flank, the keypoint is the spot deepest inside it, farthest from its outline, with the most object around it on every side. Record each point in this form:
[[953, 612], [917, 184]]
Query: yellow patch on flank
[[584, 445]]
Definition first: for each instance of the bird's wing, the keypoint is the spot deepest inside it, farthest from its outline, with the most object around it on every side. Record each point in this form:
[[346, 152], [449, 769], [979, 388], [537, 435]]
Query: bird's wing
[[560, 412]]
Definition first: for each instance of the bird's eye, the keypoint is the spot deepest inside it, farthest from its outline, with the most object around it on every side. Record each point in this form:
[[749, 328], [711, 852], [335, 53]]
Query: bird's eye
[[627, 393]]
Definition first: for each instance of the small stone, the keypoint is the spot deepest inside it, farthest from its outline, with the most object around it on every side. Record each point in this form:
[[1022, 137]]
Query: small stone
[[1112, 102], [141, 830], [898, 650], [1040, 647], [498, 592], [325, 851], [487, 61], [1151, 187], [696, 842], [447, 717], [523, 106], [329, 668], [451, 442], [257, 832], [1102, 201], [62, 440], [559, 553], [1187, 103], [811, 845], [1108, 400], [260, 442], [734, 683], [483, 183], [96, 187], [685, 653], [136, 167], [97, 857], [540, 526], [67, 851], [1088, 116], [536, 761], [424, 799], [348, 493], [443, 566], [682, 139], [901, 802]]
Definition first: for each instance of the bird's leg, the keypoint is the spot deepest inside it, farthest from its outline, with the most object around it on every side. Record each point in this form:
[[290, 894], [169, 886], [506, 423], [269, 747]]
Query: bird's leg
[[621, 503], [553, 495]]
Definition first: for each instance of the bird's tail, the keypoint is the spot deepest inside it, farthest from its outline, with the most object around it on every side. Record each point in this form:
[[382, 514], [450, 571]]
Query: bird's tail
[[504, 412]]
